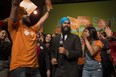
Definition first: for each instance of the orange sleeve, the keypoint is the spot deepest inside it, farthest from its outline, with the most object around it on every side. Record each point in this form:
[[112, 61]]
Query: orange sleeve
[[12, 25], [98, 56], [99, 43]]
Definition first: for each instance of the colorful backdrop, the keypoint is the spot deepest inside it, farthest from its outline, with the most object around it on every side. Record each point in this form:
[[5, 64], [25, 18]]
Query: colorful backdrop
[[89, 12]]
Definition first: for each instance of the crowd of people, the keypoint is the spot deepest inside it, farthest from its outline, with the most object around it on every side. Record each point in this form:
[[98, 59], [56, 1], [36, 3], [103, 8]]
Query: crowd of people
[[26, 52]]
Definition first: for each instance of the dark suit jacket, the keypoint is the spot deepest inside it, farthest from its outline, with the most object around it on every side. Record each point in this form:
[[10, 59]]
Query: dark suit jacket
[[73, 45]]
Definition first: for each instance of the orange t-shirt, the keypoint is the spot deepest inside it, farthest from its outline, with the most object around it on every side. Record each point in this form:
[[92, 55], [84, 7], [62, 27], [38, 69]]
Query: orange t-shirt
[[98, 56], [24, 52]]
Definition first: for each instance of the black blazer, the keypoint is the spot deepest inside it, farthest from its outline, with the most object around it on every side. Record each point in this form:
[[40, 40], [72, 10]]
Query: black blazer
[[73, 45]]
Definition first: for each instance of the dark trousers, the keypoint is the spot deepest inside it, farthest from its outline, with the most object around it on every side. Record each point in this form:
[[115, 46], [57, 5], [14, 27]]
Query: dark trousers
[[80, 67], [25, 72], [63, 71], [59, 72], [108, 69]]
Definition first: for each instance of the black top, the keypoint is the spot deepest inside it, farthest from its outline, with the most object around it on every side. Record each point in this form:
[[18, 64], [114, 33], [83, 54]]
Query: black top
[[5, 50]]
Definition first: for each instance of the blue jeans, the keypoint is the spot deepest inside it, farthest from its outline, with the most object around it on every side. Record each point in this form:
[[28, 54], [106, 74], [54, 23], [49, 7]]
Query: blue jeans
[[25, 72], [92, 69], [95, 73]]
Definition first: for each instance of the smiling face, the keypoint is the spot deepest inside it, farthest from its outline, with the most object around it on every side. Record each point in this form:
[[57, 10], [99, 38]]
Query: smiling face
[[3, 34], [48, 38]]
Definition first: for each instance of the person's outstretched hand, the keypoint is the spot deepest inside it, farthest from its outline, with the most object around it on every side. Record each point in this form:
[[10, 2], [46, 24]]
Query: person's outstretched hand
[[108, 31]]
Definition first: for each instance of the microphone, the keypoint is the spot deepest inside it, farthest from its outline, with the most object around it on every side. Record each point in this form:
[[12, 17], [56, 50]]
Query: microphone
[[61, 41], [61, 45]]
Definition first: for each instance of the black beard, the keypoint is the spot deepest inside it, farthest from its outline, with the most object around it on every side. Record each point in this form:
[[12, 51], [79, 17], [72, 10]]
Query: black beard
[[65, 30], [26, 22]]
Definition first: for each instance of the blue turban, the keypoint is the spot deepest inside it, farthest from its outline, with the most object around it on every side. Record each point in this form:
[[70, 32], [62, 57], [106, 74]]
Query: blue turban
[[62, 20]]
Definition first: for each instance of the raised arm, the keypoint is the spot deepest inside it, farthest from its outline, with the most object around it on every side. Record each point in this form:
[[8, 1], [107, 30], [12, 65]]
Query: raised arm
[[45, 16], [14, 10], [109, 32], [42, 20]]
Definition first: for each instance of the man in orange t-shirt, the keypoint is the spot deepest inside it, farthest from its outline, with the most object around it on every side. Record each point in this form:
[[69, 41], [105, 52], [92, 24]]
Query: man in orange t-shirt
[[24, 61]]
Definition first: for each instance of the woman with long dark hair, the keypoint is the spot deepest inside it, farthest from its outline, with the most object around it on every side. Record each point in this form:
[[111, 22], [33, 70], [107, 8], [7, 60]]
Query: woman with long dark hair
[[92, 66], [5, 51]]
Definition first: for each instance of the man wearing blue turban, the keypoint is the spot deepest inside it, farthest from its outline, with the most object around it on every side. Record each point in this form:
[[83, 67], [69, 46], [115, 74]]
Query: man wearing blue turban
[[66, 48], [64, 19]]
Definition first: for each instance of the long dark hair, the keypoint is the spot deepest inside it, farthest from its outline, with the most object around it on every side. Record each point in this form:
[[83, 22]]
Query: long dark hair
[[46, 36], [93, 33]]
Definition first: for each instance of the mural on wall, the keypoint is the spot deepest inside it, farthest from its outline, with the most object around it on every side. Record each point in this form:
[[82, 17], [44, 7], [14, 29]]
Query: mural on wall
[[75, 23], [81, 22], [78, 24]]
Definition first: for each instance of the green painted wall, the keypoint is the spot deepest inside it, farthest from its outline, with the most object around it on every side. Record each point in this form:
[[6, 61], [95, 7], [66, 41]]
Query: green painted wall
[[96, 10]]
